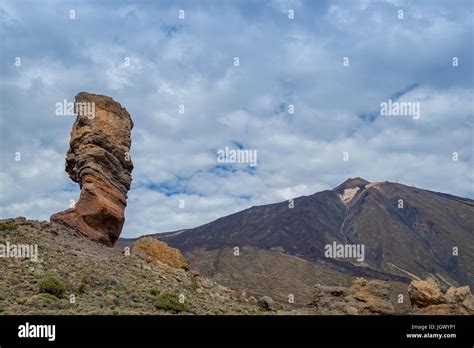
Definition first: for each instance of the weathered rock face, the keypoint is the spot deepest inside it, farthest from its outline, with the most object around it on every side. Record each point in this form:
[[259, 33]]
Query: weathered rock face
[[426, 298], [154, 250], [456, 295], [363, 297], [373, 297], [423, 293], [98, 159]]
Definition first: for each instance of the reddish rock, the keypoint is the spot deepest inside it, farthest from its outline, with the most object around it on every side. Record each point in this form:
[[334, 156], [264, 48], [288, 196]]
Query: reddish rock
[[98, 159], [155, 250]]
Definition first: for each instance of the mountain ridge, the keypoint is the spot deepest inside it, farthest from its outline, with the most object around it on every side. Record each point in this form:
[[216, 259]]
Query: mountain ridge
[[407, 233]]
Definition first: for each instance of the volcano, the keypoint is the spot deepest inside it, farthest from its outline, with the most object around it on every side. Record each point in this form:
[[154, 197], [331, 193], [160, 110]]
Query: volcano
[[406, 232]]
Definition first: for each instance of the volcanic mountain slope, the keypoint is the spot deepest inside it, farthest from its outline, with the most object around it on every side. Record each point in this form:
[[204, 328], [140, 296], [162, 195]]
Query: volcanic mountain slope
[[408, 233]]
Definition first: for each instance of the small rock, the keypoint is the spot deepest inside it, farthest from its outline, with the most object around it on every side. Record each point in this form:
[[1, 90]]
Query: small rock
[[242, 295], [337, 291], [220, 298], [109, 299], [206, 283], [252, 300], [193, 273], [351, 310], [54, 229], [112, 282], [266, 303]]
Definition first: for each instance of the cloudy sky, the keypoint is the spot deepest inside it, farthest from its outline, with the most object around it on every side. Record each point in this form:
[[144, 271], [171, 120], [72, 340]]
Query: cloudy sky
[[282, 61]]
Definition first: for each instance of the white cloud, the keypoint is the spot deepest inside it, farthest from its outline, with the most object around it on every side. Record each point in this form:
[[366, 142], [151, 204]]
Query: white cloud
[[190, 62]]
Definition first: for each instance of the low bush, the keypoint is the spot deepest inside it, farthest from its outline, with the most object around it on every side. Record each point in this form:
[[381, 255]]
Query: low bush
[[155, 292], [8, 226], [169, 301], [52, 285], [185, 266]]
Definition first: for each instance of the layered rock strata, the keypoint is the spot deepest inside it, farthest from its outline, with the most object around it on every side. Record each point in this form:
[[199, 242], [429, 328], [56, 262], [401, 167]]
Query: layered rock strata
[[98, 159]]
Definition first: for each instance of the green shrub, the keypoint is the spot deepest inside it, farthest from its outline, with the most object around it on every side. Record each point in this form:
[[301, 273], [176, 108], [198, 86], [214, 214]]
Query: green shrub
[[51, 285], [169, 301], [185, 266], [155, 292], [82, 287], [8, 226], [194, 283]]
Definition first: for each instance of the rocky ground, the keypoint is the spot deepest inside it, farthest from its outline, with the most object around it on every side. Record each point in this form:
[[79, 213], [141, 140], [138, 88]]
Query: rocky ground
[[104, 280], [369, 297]]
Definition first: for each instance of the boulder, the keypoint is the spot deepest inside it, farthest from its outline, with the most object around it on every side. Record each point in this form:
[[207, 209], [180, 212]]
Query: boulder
[[456, 301], [423, 294], [266, 303], [98, 159], [363, 297], [154, 250], [468, 304], [457, 295], [373, 296]]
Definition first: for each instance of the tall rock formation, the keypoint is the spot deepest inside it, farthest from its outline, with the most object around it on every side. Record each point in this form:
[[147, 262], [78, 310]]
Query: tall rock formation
[[98, 159]]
